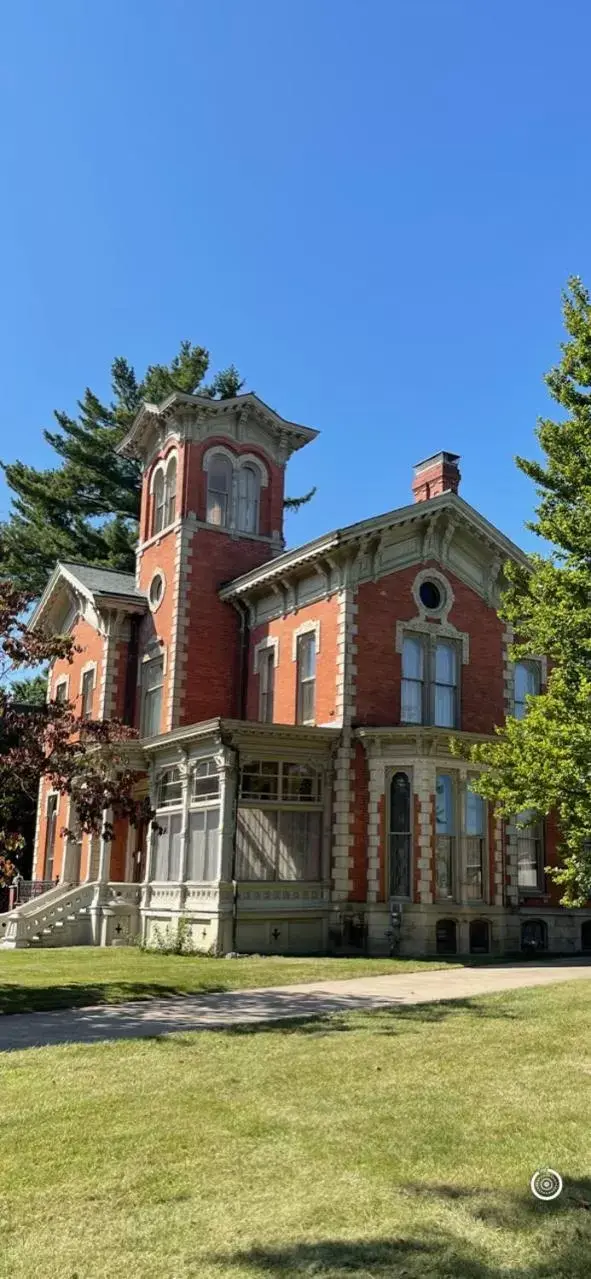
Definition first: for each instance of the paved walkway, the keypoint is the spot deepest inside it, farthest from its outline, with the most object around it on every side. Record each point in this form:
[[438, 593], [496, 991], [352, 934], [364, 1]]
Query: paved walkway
[[145, 1019]]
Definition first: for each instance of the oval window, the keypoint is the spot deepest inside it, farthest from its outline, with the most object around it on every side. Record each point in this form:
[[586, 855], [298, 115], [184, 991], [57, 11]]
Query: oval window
[[430, 595], [156, 589]]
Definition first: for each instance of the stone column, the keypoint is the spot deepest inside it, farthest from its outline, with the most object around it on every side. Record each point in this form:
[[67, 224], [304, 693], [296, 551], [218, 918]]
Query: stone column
[[185, 773], [226, 765], [105, 848]]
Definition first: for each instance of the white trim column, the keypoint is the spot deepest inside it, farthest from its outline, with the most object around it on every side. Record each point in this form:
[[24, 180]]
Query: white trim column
[[104, 867], [226, 765], [185, 772]]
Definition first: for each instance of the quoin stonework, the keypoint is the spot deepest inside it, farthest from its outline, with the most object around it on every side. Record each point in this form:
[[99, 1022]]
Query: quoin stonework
[[295, 710]]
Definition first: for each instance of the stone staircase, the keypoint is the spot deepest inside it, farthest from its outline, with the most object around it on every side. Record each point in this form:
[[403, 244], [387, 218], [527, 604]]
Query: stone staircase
[[59, 917]]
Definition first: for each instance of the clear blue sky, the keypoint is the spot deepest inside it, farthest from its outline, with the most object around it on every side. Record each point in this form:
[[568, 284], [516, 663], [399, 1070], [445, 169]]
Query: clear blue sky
[[371, 208]]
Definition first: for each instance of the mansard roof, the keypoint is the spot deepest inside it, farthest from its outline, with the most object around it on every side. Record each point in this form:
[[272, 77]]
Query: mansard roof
[[345, 543], [99, 586], [153, 419]]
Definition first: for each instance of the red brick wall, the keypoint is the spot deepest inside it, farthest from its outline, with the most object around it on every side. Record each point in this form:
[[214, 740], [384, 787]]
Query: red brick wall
[[381, 605], [212, 675], [284, 706], [91, 646]]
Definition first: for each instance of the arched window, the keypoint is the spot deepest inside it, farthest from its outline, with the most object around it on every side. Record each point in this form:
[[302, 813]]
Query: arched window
[[170, 791], [171, 490], [219, 490], [586, 936], [158, 503], [400, 835], [248, 499], [479, 937], [534, 935], [445, 937]]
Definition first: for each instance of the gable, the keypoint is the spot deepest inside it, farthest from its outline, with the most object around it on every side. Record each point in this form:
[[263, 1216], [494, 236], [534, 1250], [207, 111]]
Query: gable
[[441, 536]]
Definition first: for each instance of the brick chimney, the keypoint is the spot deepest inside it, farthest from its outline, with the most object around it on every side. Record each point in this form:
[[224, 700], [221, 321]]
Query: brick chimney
[[437, 474]]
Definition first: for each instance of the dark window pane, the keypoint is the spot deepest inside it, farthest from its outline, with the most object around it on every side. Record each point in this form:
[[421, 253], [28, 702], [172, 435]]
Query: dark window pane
[[445, 937], [479, 937], [430, 594]]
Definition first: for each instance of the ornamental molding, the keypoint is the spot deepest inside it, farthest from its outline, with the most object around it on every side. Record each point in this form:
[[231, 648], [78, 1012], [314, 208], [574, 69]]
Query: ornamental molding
[[263, 646], [307, 628]]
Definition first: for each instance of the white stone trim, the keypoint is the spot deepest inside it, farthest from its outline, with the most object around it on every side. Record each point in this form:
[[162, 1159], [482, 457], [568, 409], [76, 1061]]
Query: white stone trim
[[344, 773], [62, 679], [162, 465], [270, 641], [250, 459], [180, 622], [447, 601], [213, 451], [158, 572], [440, 630], [306, 628], [508, 670]]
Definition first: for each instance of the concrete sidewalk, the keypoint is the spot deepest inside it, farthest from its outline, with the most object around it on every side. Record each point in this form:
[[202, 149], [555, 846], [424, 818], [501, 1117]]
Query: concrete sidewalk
[[253, 1007]]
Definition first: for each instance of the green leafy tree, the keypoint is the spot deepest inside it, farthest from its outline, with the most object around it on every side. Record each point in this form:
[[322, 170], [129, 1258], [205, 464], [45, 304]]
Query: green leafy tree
[[87, 508], [543, 762]]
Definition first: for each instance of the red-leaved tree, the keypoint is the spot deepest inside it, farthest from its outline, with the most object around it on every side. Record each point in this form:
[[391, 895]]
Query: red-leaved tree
[[89, 760]]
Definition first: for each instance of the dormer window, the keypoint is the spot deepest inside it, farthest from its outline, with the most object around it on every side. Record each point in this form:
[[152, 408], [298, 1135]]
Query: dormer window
[[248, 499], [219, 490], [164, 495]]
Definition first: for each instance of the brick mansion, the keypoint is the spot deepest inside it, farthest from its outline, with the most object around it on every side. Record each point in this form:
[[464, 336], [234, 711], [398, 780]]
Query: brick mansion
[[294, 713]]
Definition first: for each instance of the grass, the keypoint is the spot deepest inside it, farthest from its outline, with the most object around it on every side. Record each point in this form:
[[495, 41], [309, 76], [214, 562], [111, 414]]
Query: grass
[[397, 1143], [37, 980]]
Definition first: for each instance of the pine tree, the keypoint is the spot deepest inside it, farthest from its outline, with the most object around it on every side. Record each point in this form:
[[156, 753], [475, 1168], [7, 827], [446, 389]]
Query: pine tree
[[543, 762], [86, 510]]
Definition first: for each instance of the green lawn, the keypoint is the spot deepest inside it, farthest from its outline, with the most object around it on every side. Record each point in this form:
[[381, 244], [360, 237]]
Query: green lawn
[[397, 1143], [35, 980]]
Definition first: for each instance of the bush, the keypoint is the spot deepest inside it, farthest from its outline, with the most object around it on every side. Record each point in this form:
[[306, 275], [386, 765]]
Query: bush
[[173, 939]]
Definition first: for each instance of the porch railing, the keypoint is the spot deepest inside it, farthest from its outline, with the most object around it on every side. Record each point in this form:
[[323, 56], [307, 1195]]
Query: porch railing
[[26, 889]]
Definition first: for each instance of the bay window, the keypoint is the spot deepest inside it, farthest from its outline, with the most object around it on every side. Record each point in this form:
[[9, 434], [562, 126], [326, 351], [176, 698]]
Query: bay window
[[475, 812], [279, 824], [445, 835], [400, 836], [530, 853]]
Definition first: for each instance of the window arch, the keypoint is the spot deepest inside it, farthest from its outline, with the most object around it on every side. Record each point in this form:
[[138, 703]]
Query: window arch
[[158, 502], [163, 490], [219, 490], [248, 499], [170, 490], [534, 935]]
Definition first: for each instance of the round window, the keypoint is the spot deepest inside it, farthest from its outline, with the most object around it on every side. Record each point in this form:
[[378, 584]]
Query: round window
[[156, 589], [430, 595]]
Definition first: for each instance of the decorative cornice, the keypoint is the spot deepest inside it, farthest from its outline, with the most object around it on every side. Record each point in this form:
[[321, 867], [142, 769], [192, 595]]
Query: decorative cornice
[[340, 548], [189, 416]]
